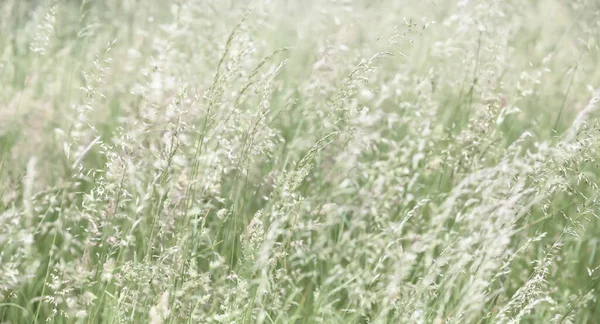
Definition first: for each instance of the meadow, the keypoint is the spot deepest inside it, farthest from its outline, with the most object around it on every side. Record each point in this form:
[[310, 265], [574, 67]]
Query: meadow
[[299, 161]]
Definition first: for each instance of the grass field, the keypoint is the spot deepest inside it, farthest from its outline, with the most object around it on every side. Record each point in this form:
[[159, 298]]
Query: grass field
[[313, 161]]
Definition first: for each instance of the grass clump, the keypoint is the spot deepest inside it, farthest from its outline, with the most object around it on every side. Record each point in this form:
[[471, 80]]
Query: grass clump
[[299, 162]]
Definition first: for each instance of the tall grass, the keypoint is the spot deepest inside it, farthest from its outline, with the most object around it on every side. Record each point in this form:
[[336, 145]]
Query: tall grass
[[357, 161]]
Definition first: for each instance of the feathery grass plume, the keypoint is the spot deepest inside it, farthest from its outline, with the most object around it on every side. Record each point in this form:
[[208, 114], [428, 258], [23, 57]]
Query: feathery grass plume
[[44, 31]]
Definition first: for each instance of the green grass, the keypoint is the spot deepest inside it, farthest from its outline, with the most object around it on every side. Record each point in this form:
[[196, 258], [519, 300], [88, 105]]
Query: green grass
[[283, 161]]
